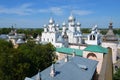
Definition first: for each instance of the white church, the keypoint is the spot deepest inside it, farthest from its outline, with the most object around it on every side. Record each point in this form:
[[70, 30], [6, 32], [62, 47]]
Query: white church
[[57, 37], [71, 30]]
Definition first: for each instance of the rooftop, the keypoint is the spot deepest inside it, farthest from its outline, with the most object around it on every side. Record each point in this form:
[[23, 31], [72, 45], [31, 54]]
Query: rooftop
[[77, 68], [96, 48], [70, 51], [110, 36]]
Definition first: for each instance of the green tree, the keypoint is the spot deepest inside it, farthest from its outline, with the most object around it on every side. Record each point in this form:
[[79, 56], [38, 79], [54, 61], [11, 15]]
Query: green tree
[[5, 30], [116, 76], [16, 64], [85, 30]]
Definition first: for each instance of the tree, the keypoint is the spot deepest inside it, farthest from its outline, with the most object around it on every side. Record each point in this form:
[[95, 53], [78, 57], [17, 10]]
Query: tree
[[5, 30], [85, 30], [116, 76], [16, 64]]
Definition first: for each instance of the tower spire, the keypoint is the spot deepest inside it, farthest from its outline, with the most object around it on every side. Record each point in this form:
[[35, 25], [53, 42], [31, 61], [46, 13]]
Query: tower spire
[[110, 24], [38, 76], [52, 73]]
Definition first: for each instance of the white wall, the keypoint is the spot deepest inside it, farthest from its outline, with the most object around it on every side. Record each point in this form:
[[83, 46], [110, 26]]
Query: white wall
[[114, 49], [99, 59]]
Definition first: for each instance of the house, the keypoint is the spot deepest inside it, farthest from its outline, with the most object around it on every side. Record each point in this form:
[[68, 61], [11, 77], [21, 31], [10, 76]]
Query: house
[[70, 68]]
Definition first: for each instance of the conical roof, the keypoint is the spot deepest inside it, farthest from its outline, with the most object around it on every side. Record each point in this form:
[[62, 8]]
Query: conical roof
[[110, 36]]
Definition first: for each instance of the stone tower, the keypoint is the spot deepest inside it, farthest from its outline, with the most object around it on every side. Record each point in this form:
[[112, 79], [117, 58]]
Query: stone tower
[[111, 41]]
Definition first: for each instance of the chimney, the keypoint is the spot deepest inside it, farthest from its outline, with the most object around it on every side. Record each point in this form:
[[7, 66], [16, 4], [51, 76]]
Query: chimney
[[66, 58], [52, 73], [73, 54], [38, 76]]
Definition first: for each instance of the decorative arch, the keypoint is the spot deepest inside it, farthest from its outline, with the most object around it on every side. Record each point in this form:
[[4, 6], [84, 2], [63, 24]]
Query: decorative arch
[[91, 56], [92, 37], [109, 47]]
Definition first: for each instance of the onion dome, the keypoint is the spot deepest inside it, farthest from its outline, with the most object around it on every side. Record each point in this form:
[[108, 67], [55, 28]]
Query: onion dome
[[57, 25], [51, 21], [71, 18], [45, 25], [53, 25], [110, 36], [78, 24], [63, 24]]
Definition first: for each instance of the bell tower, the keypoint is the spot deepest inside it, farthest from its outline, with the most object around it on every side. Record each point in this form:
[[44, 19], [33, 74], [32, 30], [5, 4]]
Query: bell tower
[[111, 41]]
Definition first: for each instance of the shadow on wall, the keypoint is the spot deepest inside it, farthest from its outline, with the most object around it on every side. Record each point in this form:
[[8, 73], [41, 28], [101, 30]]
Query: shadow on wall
[[107, 67]]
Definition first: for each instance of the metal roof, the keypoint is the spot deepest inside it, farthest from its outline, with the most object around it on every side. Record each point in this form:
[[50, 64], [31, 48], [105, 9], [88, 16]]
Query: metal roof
[[3, 36], [69, 51], [96, 48], [71, 70], [110, 36], [20, 41]]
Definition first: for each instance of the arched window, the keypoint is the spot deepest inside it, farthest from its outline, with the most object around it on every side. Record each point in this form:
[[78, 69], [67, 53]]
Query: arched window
[[92, 37], [52, 40], [92, 56]]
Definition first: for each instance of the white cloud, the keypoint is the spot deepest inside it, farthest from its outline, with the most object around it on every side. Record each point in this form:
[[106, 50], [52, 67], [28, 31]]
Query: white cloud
[[82, 12], [21, 10], [64, 9], [53, 10], [26, 9], [56, 10]]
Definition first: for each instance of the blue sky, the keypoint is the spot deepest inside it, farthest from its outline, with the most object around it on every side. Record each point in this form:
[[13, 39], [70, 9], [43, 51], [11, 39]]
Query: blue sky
[[36, 13]]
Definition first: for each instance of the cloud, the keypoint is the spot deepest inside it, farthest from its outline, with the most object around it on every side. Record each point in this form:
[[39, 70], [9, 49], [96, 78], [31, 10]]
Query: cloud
[[65, 9], [24, 9], [82, 12], [53, 10]]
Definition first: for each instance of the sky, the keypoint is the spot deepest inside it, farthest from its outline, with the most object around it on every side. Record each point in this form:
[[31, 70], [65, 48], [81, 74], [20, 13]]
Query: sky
[[36, 13]]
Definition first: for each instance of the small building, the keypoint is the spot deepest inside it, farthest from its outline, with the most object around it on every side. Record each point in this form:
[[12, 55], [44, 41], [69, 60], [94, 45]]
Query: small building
[[75, 68], [4, 37], [16, 38], [94, 38]]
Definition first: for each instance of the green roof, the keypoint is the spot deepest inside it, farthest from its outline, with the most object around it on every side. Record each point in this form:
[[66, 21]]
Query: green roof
[[96, 48], [69, 51]]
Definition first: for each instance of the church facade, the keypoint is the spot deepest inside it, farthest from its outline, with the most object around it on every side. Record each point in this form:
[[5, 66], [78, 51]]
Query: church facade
[[53, 34]]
